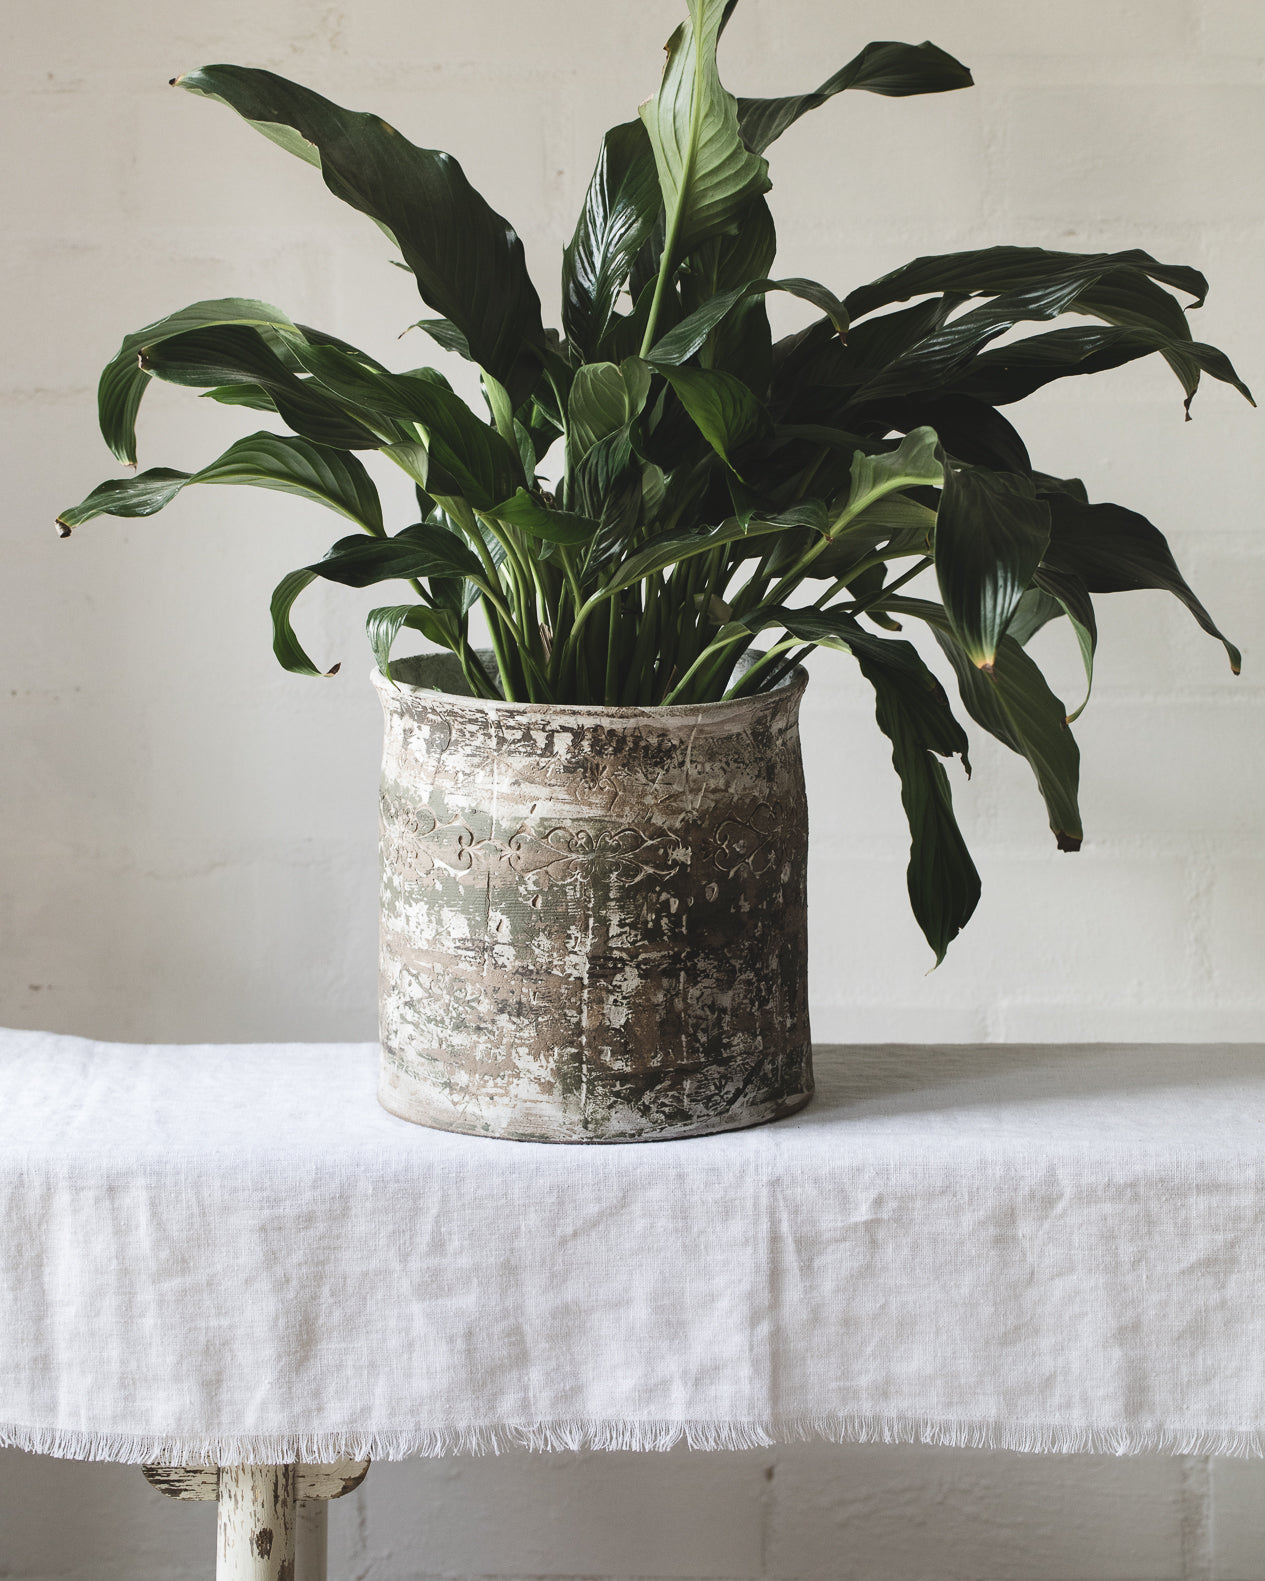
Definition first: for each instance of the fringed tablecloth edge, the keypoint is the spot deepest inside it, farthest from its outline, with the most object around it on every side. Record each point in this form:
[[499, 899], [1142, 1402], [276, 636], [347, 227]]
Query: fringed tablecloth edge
[[634, 1435]]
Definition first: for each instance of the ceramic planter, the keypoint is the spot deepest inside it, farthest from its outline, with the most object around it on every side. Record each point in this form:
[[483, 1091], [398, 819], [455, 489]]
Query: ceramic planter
[[593, 920]]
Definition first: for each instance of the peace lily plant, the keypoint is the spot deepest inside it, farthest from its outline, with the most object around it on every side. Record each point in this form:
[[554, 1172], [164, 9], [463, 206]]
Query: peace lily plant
[[716, 489]]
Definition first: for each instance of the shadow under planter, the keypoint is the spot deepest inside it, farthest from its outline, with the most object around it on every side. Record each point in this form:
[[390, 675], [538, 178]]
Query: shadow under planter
[[594, 921]]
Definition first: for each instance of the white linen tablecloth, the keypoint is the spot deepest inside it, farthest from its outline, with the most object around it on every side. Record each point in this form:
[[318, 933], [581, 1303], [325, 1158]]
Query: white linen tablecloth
[[231, 1253]]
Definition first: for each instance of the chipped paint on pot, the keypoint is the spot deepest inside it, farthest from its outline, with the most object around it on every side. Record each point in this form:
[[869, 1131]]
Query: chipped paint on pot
[[594, 920]]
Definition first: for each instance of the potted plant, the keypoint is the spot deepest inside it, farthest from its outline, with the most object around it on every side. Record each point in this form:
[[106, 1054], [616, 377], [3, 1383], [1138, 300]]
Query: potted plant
[[593, 822]]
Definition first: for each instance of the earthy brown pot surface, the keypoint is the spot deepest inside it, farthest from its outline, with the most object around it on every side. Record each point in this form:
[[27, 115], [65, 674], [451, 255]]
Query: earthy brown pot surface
[[593, 920]]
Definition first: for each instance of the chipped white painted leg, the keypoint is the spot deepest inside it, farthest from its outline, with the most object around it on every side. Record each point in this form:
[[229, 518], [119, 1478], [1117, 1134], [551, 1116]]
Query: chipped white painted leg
[[273, 1519], [311, 1546], [255, 1538]]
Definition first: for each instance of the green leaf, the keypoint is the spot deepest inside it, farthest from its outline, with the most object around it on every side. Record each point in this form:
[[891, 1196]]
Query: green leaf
[[467, 259], [672, 548], [724, 410], [446, 334], [605, 398], [422, 551], [681, 343], [233, 354], [253, 396], [620, 210], [1014, 704], [914, 463], [914, 713], [457, 456], [384, 625], [1072, 597], [287, 647], [894, 70], [1052, 594], [541, 521], [992, 271], [991, 532], [1114, 550], [706, 173], [138, 496], [331, 478], [123, 382]]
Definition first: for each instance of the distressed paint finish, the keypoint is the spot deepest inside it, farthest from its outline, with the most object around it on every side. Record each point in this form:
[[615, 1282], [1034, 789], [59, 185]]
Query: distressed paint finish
[[312, 1482], [593, 921], [255, 1540]]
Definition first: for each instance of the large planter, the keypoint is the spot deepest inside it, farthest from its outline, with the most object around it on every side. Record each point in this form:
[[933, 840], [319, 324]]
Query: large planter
[[593, 920]]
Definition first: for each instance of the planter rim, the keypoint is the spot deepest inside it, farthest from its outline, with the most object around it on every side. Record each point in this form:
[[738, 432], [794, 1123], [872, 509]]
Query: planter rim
[[792, 684]]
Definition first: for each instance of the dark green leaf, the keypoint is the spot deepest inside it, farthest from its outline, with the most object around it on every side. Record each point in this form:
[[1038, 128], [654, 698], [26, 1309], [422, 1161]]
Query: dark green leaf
[[287, 647], [457, 456], [446, 334], [384, 626], [620, 210], [724, 410], [1014, 703], [271, 461], [991, 532], [138, 496], [424, 550], [123, 381], [672, 548], [895, 70], [679, 344], [914, 713], [541, 521], [468, 260], [992, 271], [604, 399], [706, 173], [231, 354], [1113, 550], [253, 396]]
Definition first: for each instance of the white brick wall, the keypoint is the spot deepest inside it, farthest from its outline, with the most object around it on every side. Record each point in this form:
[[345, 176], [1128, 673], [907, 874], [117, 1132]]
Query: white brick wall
[[188, 841]]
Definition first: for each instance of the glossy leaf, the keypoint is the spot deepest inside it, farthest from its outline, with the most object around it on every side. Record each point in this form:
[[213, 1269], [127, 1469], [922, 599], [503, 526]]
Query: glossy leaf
[[253, 396], [385, 624], [467, 259], [1113, 550], [123, 382], [914, 463], [542, 521], [446, 334], [423, 551], [228, 353], [674, 548], [1014, 703], [706, 172], [995, 271], [620, 209], [605, 398], [272, 461], [679, 344], [914, 713], [991, 532], [894, 70], [461, 457], [724, 410]]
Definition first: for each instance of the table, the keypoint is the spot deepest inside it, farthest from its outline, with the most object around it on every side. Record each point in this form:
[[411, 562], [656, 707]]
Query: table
[[230, 1256]]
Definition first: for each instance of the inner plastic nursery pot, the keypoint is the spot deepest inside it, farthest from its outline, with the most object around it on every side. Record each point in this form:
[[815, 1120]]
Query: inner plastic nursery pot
[[594, 920]]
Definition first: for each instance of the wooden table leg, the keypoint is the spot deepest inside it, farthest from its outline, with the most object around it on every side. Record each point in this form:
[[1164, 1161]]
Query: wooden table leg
[[255, 1538], [273, 1520], [311, 1547]]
